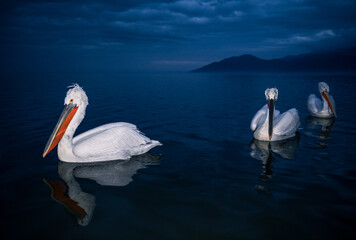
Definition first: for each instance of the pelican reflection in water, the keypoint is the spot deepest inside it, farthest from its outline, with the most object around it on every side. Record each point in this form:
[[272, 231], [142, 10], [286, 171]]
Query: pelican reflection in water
[[319, 127], [112, 173], [265, 151]]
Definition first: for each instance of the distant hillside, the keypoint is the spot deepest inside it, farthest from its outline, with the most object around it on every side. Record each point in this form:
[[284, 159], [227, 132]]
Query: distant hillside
[[341, 60]]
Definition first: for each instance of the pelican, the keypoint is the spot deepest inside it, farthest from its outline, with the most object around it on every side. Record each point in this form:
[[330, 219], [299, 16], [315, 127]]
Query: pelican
[[111, 141], [324, 108], [279, 126]]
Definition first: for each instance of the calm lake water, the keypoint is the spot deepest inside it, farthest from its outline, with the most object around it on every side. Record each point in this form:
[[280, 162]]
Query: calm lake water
[[209, 180]]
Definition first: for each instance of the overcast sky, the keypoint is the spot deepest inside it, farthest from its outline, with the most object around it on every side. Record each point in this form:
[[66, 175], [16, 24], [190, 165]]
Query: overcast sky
[[163, 35]]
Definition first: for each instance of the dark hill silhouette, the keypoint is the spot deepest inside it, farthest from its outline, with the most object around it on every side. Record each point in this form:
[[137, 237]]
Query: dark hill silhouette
[[341, 60]]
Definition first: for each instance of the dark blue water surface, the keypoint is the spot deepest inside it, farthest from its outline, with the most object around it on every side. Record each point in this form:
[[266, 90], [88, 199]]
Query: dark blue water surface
[[209, 180]]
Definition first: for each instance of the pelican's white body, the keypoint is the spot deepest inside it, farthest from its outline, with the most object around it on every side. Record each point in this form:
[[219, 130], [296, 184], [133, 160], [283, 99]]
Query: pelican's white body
[[320, 108], [285, 125], [108, 142]]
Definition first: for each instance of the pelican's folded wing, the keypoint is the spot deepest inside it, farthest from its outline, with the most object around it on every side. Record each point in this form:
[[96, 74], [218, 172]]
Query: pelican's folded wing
[[94, 131], [314, 104], [112, 141], [287, 123], [258, 117]]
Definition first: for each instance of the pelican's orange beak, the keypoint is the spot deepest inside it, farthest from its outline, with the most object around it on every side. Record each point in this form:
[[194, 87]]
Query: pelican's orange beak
[[330, 103], [61, 127]]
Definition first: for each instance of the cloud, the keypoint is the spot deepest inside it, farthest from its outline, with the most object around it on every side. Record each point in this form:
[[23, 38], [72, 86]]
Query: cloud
[[325, 34], [199, 20], [233, 17], [205, 28], [305, 38]]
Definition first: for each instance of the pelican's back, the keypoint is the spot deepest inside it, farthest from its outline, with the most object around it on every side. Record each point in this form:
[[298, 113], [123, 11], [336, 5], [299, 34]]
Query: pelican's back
[[314, 104], [112, 141], [287, 123], [259, 118]]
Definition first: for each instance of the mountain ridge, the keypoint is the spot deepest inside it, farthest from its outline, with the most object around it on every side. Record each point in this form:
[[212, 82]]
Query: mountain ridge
[[327, 61]]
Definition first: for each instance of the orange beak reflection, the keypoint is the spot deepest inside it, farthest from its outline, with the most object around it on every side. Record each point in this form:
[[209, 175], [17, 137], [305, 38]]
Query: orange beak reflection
[[61, 127], [330, 103], [58, 193]]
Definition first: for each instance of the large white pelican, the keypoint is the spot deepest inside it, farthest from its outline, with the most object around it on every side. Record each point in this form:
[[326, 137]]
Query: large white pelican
[[111, 141], [269, 125], [324, 108]]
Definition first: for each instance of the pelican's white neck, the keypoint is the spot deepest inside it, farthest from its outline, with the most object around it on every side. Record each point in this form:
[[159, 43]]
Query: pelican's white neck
[[65, 146]]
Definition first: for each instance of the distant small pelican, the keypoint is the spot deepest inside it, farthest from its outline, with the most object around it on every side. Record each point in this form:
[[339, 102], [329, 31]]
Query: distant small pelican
[[325, 109], [111, 141], [278, 127]]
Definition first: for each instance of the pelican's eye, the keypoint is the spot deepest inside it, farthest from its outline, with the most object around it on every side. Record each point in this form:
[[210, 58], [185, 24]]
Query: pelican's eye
[[71, 101]]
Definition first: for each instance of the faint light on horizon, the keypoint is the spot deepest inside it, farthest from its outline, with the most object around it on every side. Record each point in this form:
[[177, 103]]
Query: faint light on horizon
[[177, 62]]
